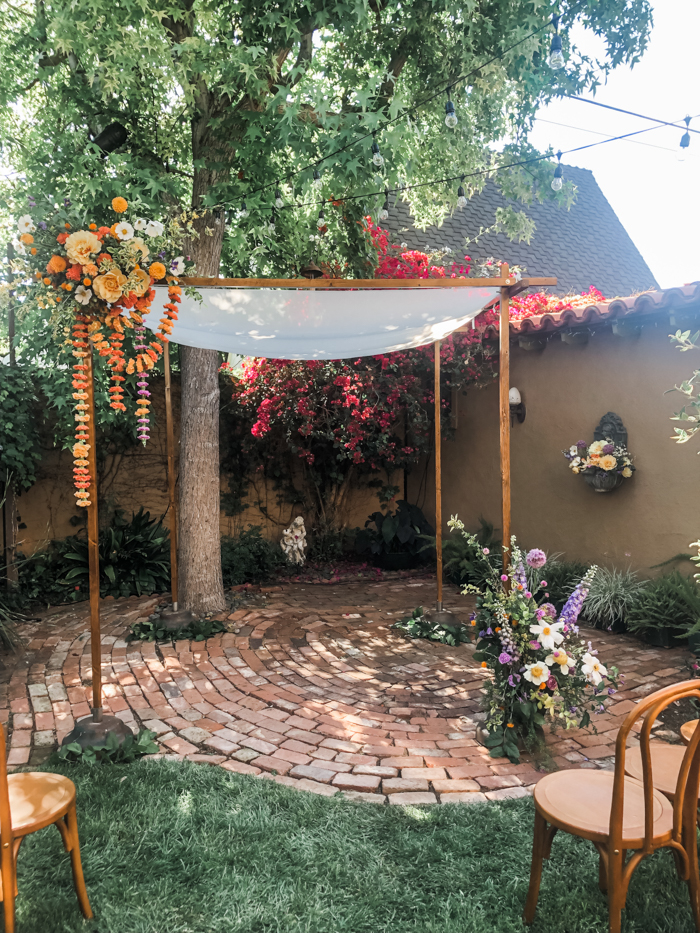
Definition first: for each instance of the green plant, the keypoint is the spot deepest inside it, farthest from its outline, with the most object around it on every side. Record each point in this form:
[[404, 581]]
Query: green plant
[[19, 436], [328, 542], [9, 617], [399, 532], [668, 602], [249, 558], [111, 753], [41, 577], [461, 558], [134, 557], [418, 626], [154, 630], [562, 577], [612, 594]]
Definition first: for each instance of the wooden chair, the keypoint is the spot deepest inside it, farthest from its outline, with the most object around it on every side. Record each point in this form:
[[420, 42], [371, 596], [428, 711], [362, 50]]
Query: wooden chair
[[619, 813], [29, 801]]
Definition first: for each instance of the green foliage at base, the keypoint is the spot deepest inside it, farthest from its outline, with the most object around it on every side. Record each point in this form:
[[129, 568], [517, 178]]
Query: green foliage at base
[[418, 626], [249, 558], [461, 562], [670, 601], [20, 452], [403, 531], [111, 753], [154, 630]]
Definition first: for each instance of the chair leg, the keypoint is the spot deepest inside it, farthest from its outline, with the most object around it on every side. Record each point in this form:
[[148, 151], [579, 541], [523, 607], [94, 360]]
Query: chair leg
[[76, 864], [8, 871], [540, 851], [602, 872], [617, 894], [691, 849]]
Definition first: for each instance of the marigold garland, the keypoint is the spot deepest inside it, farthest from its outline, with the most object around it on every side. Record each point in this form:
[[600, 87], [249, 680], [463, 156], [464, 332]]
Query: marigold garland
[[96, 274]]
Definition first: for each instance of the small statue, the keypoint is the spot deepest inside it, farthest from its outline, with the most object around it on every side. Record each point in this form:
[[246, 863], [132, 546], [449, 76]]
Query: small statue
[[293, 541], [612, 429]]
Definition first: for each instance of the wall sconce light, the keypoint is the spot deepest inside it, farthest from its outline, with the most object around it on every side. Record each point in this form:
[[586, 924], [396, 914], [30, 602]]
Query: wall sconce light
[[517, 406]]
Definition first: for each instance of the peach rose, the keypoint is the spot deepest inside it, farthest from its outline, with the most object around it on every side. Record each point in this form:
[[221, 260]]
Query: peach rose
[[110, 286], [157, 270], [137, 243], [81, 245], [141, 280]]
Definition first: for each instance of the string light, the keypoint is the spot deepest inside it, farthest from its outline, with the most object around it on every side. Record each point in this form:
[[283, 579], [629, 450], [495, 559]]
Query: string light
[[384, 213], [450, 115], [556, 56], [271, 225], [321, 222], [685, 141], [318, 181], [558, 175], [377, 157], [243, 213], [461, 198], [279, 202]]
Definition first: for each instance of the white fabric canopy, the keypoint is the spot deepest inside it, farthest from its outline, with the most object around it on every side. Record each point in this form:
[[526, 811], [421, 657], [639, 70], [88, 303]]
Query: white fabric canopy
[[329, 324]]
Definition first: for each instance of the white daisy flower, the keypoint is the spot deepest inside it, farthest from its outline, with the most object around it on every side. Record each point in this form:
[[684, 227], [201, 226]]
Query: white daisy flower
[[537, 673], [82, 295], [573, 451], [154, 228], [140, 224], [25, 224], [177, 265], [124, 230], [548, 634], [560, 657], [593, 669]]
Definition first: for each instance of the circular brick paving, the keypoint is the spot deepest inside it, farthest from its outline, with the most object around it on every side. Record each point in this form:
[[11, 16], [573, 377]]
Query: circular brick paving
[[314, 690]]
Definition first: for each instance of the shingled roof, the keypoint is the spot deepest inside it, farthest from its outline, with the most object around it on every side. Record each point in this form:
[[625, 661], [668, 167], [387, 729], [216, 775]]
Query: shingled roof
[[584, 246]]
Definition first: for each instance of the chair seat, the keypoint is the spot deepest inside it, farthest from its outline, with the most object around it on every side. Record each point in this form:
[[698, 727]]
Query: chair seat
[[687, 730], [37, 799], [666, 762], [579, 801]]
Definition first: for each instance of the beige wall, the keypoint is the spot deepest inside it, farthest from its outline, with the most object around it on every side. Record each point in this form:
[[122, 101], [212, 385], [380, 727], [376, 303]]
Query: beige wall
[[567, 389]]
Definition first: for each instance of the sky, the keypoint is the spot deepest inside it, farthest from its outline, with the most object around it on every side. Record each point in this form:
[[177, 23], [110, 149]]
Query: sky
[[656, 197]]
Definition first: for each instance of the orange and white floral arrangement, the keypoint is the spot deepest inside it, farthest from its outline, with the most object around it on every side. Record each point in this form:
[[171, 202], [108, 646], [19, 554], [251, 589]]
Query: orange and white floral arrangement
[[98, 281]]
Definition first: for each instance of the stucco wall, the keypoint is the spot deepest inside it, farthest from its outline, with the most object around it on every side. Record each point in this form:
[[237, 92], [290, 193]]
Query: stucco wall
[[566, 390]]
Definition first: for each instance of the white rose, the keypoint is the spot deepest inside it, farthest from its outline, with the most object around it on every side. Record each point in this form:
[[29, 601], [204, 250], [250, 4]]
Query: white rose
[[154, 228]]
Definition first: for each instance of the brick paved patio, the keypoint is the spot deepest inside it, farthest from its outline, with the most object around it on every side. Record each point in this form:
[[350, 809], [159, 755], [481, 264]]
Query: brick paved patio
[[311, 688]]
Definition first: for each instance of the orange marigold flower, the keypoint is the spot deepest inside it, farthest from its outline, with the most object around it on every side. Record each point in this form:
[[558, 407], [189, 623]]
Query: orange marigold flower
[[542, 686], [87, 281], [484, 664], [119, 205], [104, 257], [93, 227], [56, 264], [74, 273], [27, 238], [62, 237], [90, 269], [33, 251], [102, 232], [67, 226], [156, 270]]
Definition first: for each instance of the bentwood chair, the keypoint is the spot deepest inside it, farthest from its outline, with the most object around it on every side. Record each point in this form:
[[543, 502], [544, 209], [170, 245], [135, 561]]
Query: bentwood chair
[[29, 801], [666, 762], [621, 814]]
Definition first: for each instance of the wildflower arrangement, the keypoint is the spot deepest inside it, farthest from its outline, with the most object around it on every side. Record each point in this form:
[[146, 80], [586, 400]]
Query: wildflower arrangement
[[542, 670], [97, 281], [600, 458]]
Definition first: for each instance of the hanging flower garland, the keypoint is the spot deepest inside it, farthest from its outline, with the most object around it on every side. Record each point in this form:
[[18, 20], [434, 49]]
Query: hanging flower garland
[[102, 279]]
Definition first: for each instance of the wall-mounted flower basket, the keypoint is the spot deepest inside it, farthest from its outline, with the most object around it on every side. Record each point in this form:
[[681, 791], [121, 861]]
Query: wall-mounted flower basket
[[606, 462]]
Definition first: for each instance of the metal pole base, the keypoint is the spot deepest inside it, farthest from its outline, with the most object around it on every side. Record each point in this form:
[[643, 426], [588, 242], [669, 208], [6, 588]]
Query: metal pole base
[[174, 619], [88, 732], [442, 616]]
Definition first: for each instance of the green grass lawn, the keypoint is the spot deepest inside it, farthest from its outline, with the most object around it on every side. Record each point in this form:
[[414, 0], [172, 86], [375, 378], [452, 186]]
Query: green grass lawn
[[182, 848]]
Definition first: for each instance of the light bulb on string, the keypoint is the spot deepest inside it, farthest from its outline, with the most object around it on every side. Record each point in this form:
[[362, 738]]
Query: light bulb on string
[[450, 115], [556, 56], [377, 157], [271, 225], [243, 213], [317, 180], [321, 222], [685, 142], [279, 202], [384, 213], [558, 175], [461, 197]]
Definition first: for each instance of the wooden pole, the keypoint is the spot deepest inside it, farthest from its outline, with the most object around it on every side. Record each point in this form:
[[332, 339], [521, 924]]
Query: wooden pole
[[170, 444], [9, 504], [93, 530], [504, 409], [438, 478]]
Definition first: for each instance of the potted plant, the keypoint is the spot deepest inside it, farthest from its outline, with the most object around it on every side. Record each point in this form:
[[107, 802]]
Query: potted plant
[[395, 539], [603, 464], [542, 672]]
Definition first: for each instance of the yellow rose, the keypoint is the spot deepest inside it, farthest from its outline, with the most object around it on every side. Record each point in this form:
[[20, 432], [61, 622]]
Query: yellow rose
[[139, 282], [607, 463], [110, 286], [627, 472], [81, 245], [596, 448], [137, 243]]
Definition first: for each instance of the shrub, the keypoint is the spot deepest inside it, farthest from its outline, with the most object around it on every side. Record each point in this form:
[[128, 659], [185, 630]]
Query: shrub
[[611, 596], [249, 558], [462, 563], [418, 626], [668, 602], [401, 532]]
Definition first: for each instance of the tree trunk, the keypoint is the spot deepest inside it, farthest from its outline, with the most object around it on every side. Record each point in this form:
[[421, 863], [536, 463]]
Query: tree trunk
[[201, 586]]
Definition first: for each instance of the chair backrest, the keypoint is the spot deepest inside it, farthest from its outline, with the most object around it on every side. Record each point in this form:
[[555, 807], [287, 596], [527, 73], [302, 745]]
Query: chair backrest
[[5, 818], [686, 796]]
